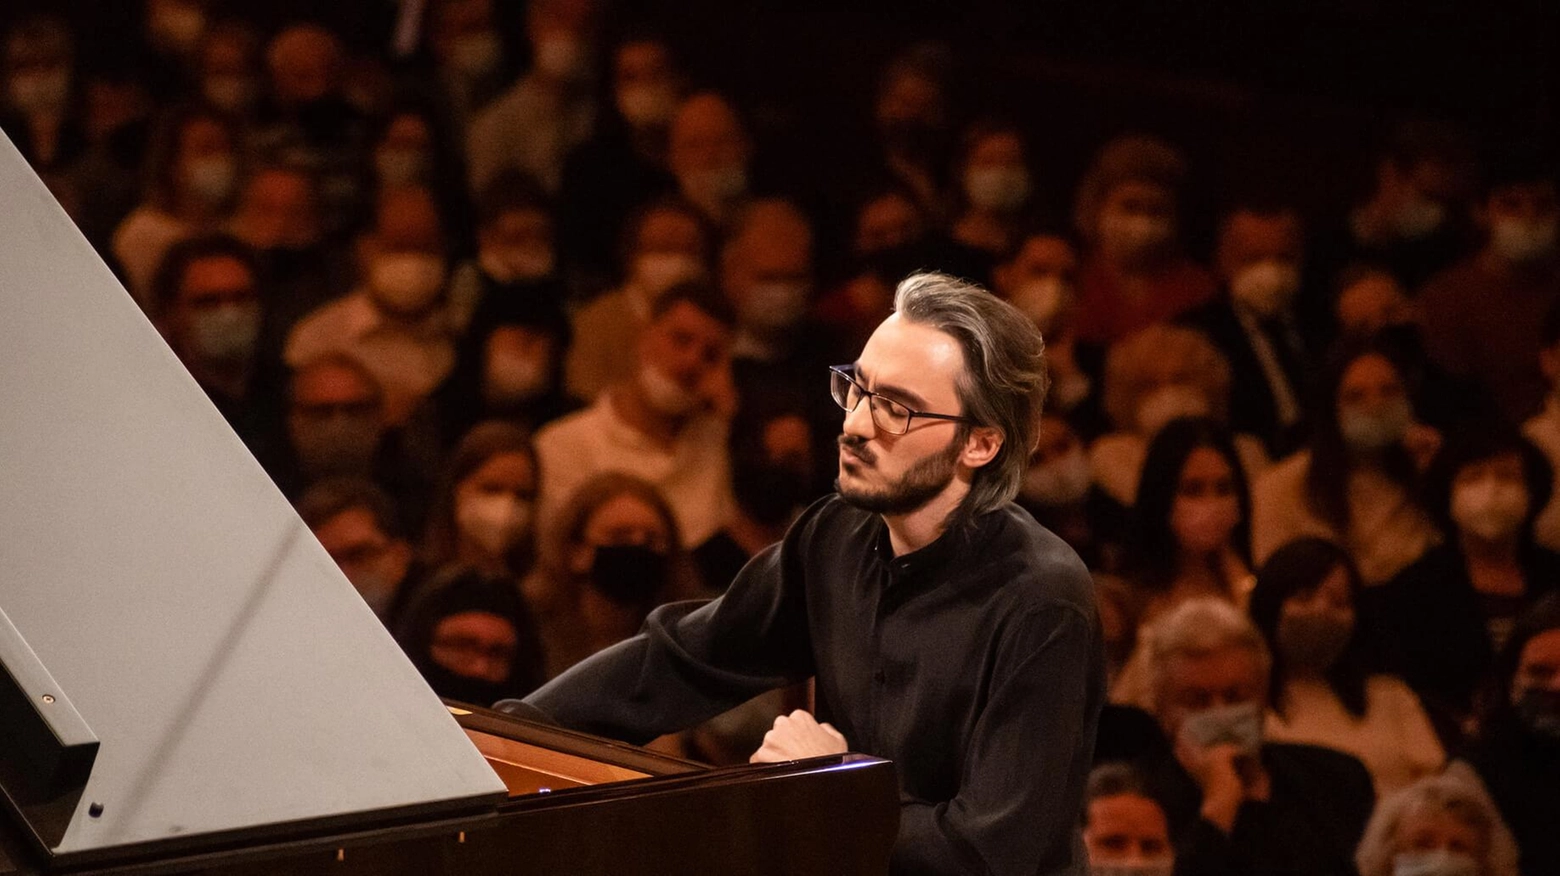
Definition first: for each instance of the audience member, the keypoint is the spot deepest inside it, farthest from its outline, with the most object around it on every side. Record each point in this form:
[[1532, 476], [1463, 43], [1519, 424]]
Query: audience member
[[1124, 827], [911, 115], [227, 68], [1483, 317], [624, 166], [1357, 481], [1543, 428], [472, 638], [1519, 746], [994, 187], [1447, 615], [1237, 803], [1160, 374], [207, 302], [1306, 603], [1059, 492], [532, 126], [396, 323], [611, 554], [1442, 824], [193, 172], [483, 517], [1259, 260], [1040, 277], [1135, 272], [664, 244], [358, 525], [509, 365], [667, 424], [38, 111]]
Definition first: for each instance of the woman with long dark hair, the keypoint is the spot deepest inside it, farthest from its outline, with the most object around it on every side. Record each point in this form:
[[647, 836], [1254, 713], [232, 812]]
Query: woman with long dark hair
[[1357, 481], [1189, 531], [1320, 691]]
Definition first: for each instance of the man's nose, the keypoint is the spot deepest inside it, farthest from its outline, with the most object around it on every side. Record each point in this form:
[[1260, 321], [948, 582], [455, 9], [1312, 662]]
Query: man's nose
[[859, 421]]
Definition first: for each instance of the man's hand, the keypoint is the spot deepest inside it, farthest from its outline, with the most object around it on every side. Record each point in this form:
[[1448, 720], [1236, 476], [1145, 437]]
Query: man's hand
[[1228, 777], [796, 736]]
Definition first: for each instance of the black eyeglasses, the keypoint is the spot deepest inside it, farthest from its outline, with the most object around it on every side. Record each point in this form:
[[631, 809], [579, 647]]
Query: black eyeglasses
[[887, 414]]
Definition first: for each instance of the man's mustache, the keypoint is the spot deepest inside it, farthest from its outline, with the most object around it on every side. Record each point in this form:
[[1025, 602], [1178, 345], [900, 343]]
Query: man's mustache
[[858, 447]]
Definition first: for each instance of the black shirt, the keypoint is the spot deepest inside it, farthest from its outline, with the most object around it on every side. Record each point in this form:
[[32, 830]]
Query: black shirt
[[975, 664]]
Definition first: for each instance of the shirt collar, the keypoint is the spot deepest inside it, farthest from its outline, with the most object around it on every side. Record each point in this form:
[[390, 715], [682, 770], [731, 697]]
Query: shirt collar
[[925, 564]]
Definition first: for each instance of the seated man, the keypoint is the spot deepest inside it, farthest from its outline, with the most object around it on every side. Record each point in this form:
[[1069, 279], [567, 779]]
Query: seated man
[[1237, 804], [1124, 827], [946, 630], [666, 424], [356, 523]]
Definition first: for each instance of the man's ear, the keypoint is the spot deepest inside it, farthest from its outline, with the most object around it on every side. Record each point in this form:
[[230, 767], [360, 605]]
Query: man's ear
[[982, 446]]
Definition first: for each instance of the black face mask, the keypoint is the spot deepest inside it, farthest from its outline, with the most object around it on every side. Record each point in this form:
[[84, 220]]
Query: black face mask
[[1539, 711], [629, 574], [476, 691], [769, 493]]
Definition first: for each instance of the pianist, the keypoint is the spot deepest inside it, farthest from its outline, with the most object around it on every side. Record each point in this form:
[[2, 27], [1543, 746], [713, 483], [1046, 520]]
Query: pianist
[[947, 630]]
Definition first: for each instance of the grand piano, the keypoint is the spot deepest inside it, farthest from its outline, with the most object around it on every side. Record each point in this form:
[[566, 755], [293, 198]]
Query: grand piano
[[188, 684]]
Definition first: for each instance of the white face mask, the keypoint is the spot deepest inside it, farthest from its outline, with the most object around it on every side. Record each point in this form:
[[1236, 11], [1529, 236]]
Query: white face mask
[[1167, 403], [476, 54], [514, 380], [513, 264], [647, 105], [227, 333], [560, 57], [1161, 867], [655, 272], [211, 178], [1372, 432], [1433, 862], [406, 282], [665, 395], [1043, 299], [396, 166], [1418, 218], [1239, 725], [40, 92], [1204, 524], [1521, 241], [1265, 288], [1131, 236], [773, 306], [1491, 507], [999, 189], [178, 25], [227, 92], [716, 189], [1061, 481], [495, 522]]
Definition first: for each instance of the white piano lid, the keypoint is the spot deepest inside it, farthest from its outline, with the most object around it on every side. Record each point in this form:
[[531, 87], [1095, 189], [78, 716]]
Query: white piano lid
[[234, 677]]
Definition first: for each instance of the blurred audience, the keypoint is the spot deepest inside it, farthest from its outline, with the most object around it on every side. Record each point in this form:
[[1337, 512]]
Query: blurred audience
[[1442, 824]]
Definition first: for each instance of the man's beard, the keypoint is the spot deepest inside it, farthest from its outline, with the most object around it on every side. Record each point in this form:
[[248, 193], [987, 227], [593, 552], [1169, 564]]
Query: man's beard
[[922, 483]]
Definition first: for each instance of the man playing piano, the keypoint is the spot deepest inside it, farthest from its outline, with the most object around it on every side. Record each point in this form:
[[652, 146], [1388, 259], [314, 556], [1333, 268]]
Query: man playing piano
[[946, 630]]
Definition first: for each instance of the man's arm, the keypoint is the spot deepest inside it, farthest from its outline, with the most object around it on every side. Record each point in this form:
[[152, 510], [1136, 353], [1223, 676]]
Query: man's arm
[[1020, 798], [692, 661]]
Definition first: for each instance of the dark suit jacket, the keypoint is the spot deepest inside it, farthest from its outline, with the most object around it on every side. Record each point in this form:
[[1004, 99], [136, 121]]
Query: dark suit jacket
[[1252, 406]]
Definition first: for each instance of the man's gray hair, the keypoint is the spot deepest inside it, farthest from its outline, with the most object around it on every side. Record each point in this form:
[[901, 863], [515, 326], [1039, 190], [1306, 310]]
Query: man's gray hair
[[1457, 793], [1004, 381], [1198, 627]]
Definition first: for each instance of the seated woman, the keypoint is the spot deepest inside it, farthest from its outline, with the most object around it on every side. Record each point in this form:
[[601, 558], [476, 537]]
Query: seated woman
[[471, 637], [1155, 376], [612, 557], [482, 515], [1445, 616], [1439, 825], [1356, 484], [1321, 694], [1187, 535], [1518, 752]]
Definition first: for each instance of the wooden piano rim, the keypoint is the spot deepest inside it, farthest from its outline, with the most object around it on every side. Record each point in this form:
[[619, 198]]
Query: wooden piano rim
[[533, 760]]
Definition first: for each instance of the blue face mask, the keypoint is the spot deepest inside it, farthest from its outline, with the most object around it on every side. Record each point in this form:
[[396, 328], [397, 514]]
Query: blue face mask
[[1434, 862]]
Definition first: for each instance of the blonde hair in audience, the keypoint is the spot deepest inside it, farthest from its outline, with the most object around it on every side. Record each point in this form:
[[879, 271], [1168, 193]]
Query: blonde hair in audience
[[1457, 793], [1196, 628], [1137, 364]]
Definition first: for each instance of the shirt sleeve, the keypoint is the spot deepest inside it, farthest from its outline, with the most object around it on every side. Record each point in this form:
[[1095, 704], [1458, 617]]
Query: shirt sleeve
[[1019, 799], [693, 660]]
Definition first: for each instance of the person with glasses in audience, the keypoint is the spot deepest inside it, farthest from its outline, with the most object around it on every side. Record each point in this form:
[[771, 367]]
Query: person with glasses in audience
[[947, 631]]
